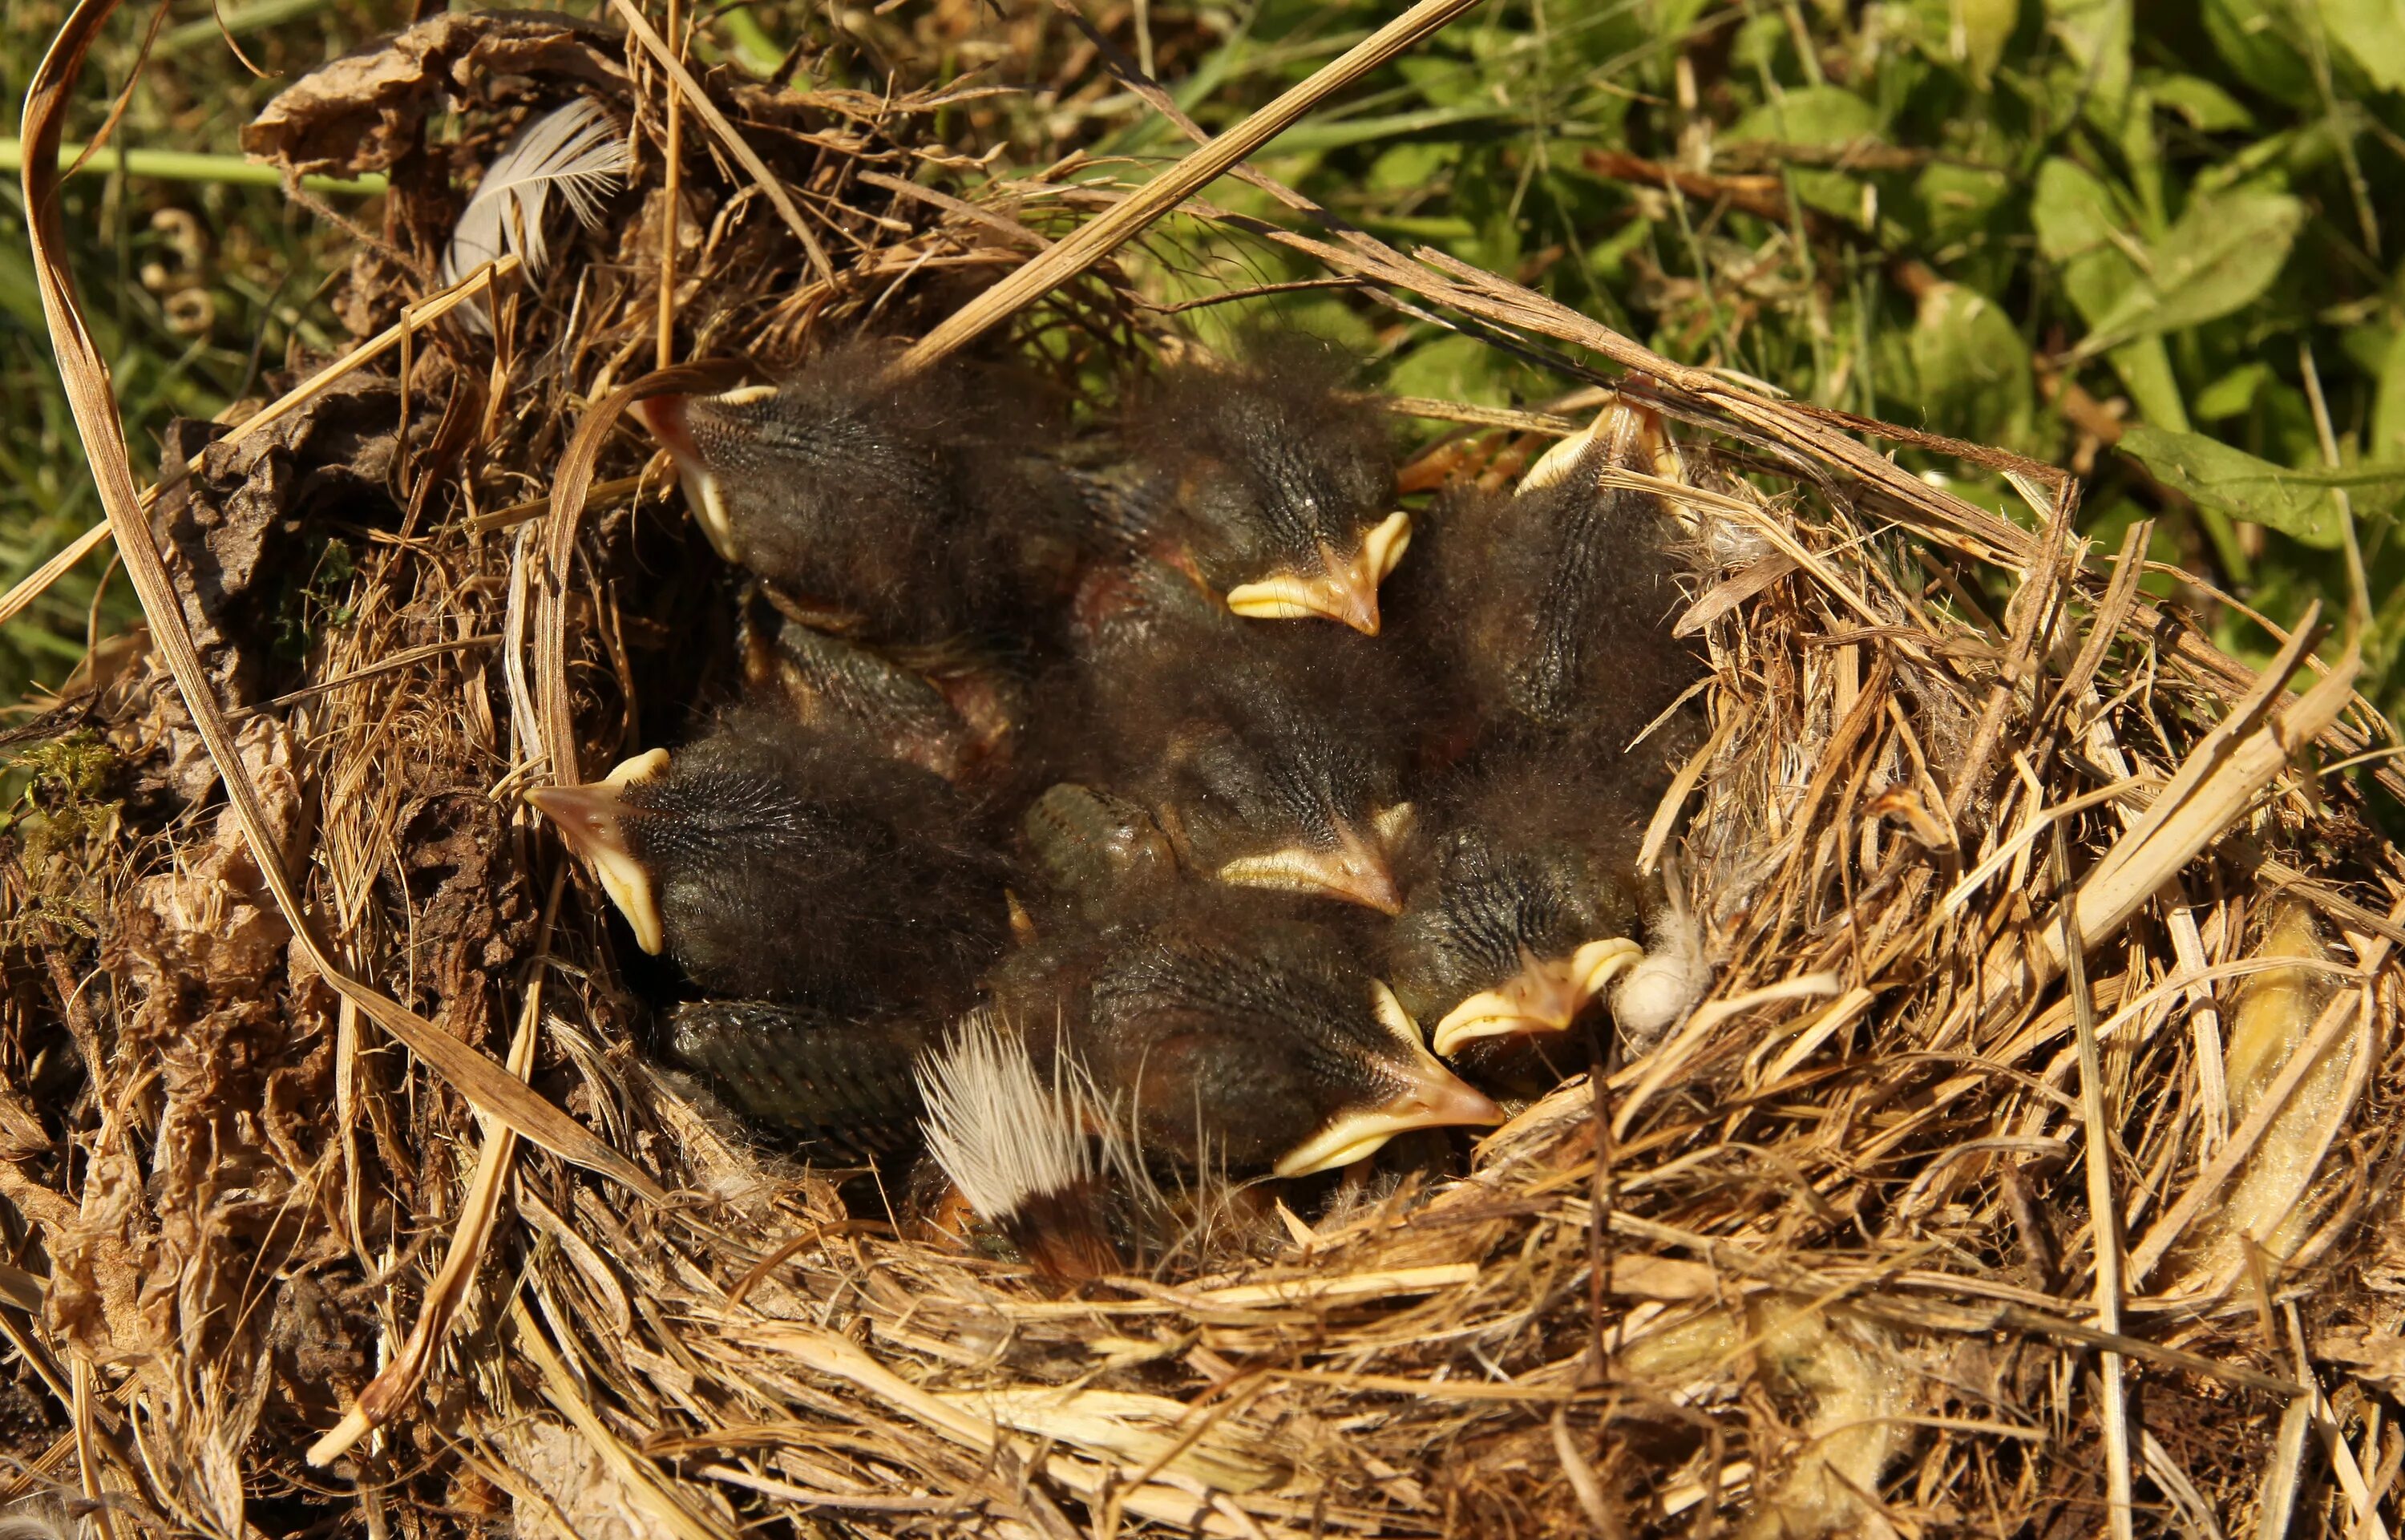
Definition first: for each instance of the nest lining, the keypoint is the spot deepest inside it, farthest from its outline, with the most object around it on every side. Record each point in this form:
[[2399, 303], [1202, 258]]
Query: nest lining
[[1840, 1216]]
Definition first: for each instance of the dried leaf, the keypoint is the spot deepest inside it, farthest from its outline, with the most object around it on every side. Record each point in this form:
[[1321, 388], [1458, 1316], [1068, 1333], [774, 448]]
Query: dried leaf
[[364, 113]]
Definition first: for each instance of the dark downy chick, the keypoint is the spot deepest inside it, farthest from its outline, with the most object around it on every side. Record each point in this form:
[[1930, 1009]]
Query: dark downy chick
[[1272, 482], [1099, 856], [774, 862], [1229, 1034], [915, 509], [1555, 602], [1523, 911], [959, 718], [834, 1083], [1270, 758]]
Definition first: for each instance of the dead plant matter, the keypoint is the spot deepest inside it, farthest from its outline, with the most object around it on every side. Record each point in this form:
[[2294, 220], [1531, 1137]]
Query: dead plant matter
[[2050, 1067]]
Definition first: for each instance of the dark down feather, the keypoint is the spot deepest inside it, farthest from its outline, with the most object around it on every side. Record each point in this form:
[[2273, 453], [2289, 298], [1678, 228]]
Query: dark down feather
[[1265, 461], [839, 1086], [793, 865], [924, 507], [1556, 604]]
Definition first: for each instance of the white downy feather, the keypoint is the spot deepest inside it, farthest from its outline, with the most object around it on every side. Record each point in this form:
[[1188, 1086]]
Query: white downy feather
[[998, 1131], [1656, 994], [577, 151]]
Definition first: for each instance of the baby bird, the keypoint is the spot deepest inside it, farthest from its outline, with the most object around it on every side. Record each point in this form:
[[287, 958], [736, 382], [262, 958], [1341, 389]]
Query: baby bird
[[1557, 600], [1557, 603], [1096, 853], [1269, 758], [1272, 484], [776, 862], [910, 509], [1522, 913], [955, 715], [838, 1085], [1226, 1032]]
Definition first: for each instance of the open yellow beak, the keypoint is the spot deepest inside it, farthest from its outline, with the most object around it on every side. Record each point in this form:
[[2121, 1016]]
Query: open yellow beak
[[589, 819], [1633, 437], [1357, 870], [1432, 1096], [1545, 995], [1344, 591]]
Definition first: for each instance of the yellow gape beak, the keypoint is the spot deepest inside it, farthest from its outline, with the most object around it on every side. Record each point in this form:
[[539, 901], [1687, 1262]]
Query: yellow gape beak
[[1357, 870], [588, 819], [1432, 1096], [665, 417], [1633, 438], [1344, 591], [1545, 995]]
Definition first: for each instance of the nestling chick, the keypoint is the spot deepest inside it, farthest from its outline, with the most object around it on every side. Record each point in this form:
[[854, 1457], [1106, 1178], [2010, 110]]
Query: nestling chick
[[1099, 855], [838, 1085], [1523, 911], [959, 719], [1557, 600], [1232, 1034], [917, 508], [774, 862], [1275, 486], [1270, 758]]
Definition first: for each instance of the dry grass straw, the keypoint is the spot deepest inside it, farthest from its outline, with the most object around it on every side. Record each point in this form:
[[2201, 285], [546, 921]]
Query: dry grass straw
[[2036, 931]]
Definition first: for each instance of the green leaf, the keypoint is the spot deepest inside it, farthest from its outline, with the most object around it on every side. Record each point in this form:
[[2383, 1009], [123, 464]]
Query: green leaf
[[2372, 32], [1457, 368], [1972, 366], [1760, 42], [1815, 115], [2146, 369], [2256, 38], [1980, 31], [1956, 201], [2207, 108], [1317, 137], [1608, 260], [2221, 254], [2232, 481], [2081, 228], [2387, 440], [21, 295], [1445, 80], [2078, 228], [2234, 393], [1411, 167], [2096, 34]]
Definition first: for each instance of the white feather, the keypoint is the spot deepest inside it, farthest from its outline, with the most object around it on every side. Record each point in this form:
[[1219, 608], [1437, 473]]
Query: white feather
[[998, 1131], [47, 1517], [576, 151], [1656, 994]]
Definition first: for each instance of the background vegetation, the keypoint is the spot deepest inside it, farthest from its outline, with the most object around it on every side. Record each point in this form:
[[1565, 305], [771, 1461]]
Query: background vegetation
[[2160, 243]]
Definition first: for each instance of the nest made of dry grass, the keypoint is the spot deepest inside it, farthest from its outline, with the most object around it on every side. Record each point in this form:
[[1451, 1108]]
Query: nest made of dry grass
[[2022, 912]]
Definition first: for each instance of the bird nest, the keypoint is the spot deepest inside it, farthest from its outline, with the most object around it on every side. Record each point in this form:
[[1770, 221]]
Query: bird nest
[[340, 1188]]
